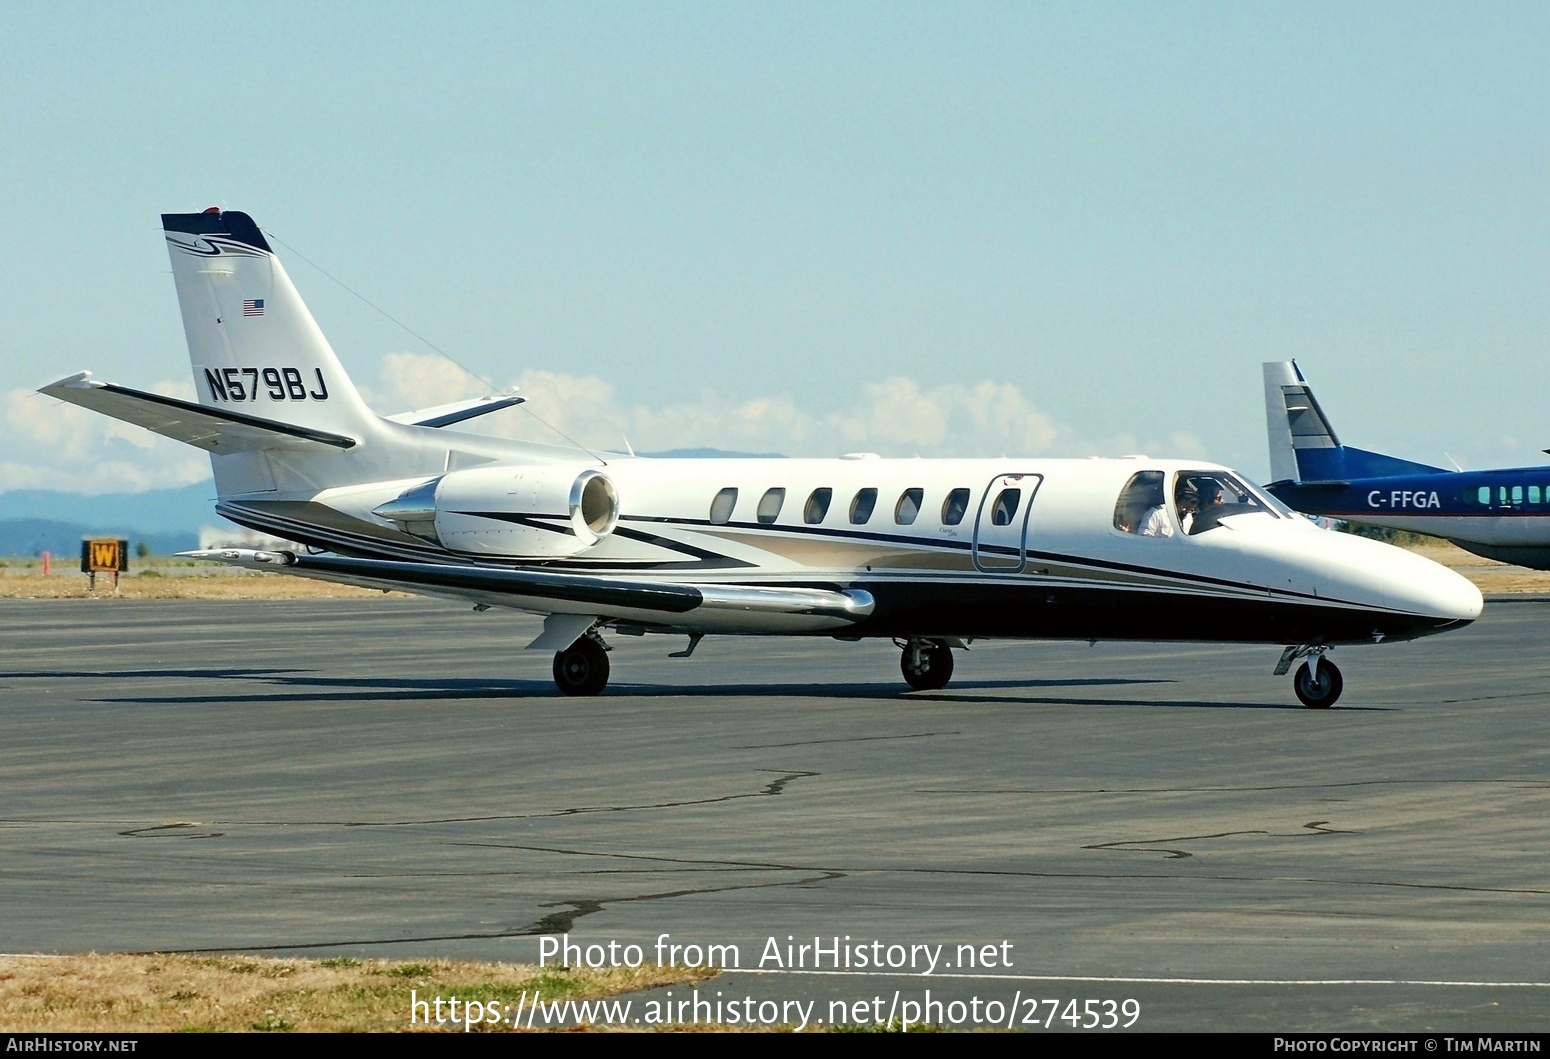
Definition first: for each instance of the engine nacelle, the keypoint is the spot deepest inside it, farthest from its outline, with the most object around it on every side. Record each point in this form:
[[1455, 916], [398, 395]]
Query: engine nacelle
[[510, 511]]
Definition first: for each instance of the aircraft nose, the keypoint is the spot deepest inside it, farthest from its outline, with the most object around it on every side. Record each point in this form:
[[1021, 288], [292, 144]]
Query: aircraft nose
[[1429, 588], [1434, 597]]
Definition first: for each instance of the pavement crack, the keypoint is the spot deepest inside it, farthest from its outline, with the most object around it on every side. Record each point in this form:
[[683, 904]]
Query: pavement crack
[[563, 922], [173, 830], [1155, 845], [774, 787]]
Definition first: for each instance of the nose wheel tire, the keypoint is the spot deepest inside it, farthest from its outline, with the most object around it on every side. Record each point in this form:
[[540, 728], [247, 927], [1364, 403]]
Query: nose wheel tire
[[929, 668], [1321, 692], [582, 668]]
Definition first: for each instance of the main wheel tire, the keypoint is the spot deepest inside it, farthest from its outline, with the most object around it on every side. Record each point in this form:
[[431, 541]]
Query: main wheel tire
[[582, 668], [934, 670], [1318, 694]]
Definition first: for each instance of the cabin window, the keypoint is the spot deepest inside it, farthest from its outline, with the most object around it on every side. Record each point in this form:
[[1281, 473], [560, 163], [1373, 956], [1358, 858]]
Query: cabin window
[[954, 506], [1533, 494], [1485, 495], [908, 508], [1501, 495], [769, 505], [721, 507], [817, 506], [1517, 495], [1005, 507], [861, 507], [1141, 508]]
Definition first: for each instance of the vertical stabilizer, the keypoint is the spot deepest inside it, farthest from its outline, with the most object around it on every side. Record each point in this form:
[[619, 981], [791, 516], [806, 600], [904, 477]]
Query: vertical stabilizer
[[1303, 446], [254, 345], [257, 351], [1293, 419]]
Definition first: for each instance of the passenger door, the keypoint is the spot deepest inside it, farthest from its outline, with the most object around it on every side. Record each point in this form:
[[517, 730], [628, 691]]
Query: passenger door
[[1001, 525]]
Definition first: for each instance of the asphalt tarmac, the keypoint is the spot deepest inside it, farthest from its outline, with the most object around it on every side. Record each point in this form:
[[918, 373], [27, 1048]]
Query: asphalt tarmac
[[1163, 824]]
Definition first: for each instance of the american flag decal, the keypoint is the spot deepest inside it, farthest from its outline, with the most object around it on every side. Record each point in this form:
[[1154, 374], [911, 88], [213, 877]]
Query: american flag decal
[[253, 307]]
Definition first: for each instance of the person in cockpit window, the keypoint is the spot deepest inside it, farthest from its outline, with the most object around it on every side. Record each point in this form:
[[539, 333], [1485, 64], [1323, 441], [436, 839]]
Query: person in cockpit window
[[1188, 499], [1154, 521], [1210, 505]]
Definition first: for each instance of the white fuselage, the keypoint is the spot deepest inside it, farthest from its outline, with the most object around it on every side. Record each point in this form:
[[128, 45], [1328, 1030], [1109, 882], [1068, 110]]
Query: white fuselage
[[1058, 565]]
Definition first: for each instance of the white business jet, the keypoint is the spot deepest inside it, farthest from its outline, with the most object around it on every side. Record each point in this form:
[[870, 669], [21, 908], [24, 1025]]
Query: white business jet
[[930, 553]]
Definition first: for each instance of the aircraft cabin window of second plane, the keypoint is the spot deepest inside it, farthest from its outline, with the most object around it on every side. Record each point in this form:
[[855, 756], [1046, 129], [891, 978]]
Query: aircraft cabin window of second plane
[[1512, 496], [908, 508]]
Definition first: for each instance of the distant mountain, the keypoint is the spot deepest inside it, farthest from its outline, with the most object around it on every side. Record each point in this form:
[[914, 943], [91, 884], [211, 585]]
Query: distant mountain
[[34, 536], [155, 510], [33, 521]]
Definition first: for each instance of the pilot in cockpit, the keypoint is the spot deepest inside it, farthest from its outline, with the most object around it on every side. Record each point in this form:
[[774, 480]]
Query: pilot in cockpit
[[1207, 505], [1187, 497]]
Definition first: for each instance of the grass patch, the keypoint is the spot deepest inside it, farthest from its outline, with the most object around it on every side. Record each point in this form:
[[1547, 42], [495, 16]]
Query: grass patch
[[193, 994]]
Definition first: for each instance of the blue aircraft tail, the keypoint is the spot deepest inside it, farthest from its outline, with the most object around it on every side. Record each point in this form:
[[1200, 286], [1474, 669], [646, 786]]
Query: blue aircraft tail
[[1305, 448]]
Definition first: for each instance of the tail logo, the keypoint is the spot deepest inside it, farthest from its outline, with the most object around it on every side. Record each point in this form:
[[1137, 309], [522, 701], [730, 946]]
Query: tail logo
[[208, 246], [253, 307]]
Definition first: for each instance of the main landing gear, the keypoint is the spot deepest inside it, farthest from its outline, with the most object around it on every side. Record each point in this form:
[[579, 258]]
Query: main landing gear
[[582, 668], [927, 664], [1317, 682]]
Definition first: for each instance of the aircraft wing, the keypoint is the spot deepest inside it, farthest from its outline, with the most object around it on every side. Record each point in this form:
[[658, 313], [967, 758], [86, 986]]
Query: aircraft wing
[[212, 429], [725, 607]]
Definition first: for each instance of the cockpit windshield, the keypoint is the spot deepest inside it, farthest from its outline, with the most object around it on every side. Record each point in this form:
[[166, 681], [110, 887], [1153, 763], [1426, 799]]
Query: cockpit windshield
[[1205, 498]]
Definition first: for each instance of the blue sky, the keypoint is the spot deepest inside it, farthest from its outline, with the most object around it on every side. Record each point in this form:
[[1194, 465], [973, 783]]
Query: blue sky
[[1114, 212]]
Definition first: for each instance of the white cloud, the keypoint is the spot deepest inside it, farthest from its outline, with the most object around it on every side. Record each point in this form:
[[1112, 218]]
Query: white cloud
[[894, 417], [416, 380], [47, 444]]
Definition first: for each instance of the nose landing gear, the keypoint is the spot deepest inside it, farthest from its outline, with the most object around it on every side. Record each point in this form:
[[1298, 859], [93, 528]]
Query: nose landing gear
[[927, 664], [1317, 682]]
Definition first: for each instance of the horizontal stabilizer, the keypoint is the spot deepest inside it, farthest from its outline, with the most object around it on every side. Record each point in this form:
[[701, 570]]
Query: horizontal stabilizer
[[213, 429], [444, 415], [538, 589]]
